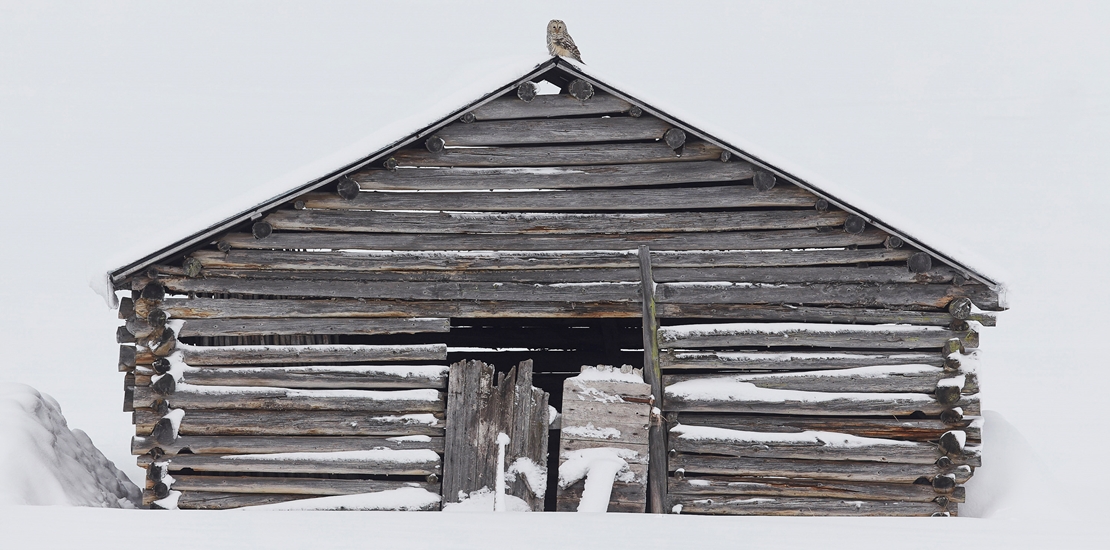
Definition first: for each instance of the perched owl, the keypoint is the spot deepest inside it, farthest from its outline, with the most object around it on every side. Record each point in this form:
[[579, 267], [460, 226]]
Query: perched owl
[[559, 42]]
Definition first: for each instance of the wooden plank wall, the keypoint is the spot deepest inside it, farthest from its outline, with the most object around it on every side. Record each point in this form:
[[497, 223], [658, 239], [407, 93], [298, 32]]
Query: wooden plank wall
[[521, 209]]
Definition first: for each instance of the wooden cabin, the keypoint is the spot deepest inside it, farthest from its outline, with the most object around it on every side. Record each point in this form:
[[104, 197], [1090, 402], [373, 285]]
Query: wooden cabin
[[577, 293]]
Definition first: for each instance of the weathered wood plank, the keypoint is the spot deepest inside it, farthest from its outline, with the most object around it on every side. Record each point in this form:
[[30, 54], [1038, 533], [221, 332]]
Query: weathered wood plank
[[371, 462], [202, 500], [347, 353], [814, 469], [804, 314], [556, 155], [545, 131], [782, 506], [531, 276], [847, 294], [282, 399], [199, 444], [203, 308], [244, 327], [550, 105], [750, 399], [729, 240], [403, 290], [367, 221], [291, 485], [738, 486], [923, 429], [802, 335], [882, 378], [323, 376], [708, 359], [873, 274], [513, 261], [577, 200], [296, 423]]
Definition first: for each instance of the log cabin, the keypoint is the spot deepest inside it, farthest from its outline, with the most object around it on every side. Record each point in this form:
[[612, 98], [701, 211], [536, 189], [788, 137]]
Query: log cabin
[[574, 283]]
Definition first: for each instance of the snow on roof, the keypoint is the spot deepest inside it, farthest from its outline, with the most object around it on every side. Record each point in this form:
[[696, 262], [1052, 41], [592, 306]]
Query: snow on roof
[[482, 88]]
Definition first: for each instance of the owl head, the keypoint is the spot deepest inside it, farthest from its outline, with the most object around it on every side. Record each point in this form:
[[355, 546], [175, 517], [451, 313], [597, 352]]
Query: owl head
[[556, 27]]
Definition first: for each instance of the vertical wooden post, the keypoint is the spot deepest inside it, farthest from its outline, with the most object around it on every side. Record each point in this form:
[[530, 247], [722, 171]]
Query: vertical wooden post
[[657, 431]]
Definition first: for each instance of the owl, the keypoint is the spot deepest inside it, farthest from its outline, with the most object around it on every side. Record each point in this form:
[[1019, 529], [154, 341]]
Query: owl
[[559, 42]]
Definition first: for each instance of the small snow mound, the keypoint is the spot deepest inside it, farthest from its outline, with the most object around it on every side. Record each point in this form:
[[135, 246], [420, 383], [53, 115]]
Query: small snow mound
[[482, 501], [405, 498], [43, 462]]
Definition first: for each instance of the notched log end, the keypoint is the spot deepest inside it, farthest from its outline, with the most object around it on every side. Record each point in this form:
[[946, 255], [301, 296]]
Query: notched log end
[[163, 432], [124, 336], [892, 242], [126, 308]]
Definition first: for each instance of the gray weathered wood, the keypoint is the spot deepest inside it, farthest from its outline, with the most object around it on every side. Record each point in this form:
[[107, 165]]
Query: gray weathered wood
[[657, 432], [296, 423], [804, 507], [813, 469], [544, 131], [841, 404], [291, 485], [730, 240], [774, 312], [555, 177], [556, 155], [839, 274], [924, 429], [202, 308], [863, 379], [202, 500], [553, 105], [557, 223], [346, 353], [281, 399], [791, 335], [845, 294], [577, 200], [330, 465], [739, 486], [243, 327], [199, 444], [319, 377]]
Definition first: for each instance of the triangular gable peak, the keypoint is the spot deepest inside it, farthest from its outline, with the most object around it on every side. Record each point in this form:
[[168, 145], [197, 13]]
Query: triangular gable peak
[[517, 138]]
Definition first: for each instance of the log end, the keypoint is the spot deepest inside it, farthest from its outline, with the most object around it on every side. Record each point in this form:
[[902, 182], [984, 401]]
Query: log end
[[347, 189], [855, 224], [262, 229], [391, 163], [153, 292], [725, 156], [765, 181], [944, 483], [124, 336], [192, 267], [157, 318], [161, 365], [960, 308], [947, 395], [675, 138], [952, 417], [223, 246], [126, 308], [949, 444], [892, 242], [527, 91], [127, 357], [163, 432], [467, 118], [299, 205], [920, 262], [580, 89], [635, 112], [821, 205], [434, 144], [165, 385]]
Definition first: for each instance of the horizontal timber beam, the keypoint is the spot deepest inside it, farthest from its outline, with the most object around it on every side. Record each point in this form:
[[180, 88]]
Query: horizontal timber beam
[[244, 327], [556, 155], [199, 444], [295, 423]]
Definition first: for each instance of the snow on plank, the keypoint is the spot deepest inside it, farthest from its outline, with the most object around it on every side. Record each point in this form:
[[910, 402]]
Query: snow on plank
[[708, 359], [192, 397], [200, 444], [838, 470], [740, 486], [760, 506], [246, 327], [880, 378], [811, 335], [367, 462], [317, 377], [321, 353], [296, 423]]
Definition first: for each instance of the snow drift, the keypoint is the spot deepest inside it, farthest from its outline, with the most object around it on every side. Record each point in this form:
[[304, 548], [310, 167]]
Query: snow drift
[[43, 462]]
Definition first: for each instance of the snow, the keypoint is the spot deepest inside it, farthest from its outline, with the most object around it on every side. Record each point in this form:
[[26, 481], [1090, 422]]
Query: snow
[[373, 395], [600, 467], [499, 487], [175, 417], [710, 329], [405, 498], [482, 501], [43, 462], [808, 437], [609, 374], [591, 432], [534, 475], [415, 418], [411, 439], [379, 454], [725, 389]]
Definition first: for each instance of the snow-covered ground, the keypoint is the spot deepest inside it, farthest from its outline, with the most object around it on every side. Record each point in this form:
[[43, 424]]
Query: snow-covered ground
[[982, 128]]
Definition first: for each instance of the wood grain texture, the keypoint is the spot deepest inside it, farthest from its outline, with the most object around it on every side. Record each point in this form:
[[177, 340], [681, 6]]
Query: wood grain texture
[[805, 507], [244, 327], [814, 469], [199, 444], [287, 465], [296, 423], [282, 399], [321, 377], [817, 403], [757, 335], [556, 155], [709, 359], [350, 353], [908, 429], [203, 308], [894, 452], [291, 485], [846, 294], [740, 486], [917, 381], [546, 131], [550, 105], [805, 314]]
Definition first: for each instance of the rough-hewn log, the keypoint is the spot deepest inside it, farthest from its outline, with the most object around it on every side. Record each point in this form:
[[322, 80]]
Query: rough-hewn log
[[577, 200], [613, 175], [804, 507], [814, 469], [280, 399], [348, 353], [204, 500], [876, 274], [291, 485], [126, 308], [845, 294], [740, 486], [124, 336], [888, 428], [373, 463], [552, 223], [801, 335], [243, 327], [556, 155], [279, 260], [546, 106], [559, 130], [765, 401], [277, 444], [400, 377], [731, 240], [548, 276], [296, 423], [887, 379], [657, 431], [717, 360], [202, 308], [783, 313], [403, 290]]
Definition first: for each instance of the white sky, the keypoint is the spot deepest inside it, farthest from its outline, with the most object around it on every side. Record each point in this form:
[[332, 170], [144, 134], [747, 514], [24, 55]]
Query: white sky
[[983, 127]]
